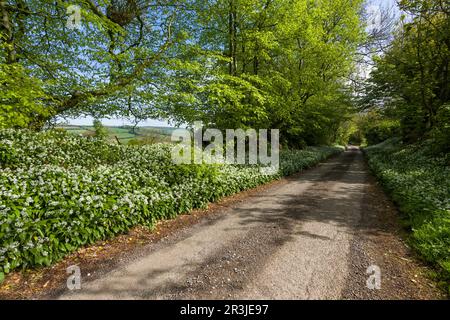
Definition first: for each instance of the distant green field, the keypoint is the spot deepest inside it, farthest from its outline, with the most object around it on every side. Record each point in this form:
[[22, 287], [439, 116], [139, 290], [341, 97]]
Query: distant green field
[[125, 134]]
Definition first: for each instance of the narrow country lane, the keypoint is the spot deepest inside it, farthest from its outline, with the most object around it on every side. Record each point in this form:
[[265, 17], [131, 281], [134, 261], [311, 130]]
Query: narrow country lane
[[311, 237]]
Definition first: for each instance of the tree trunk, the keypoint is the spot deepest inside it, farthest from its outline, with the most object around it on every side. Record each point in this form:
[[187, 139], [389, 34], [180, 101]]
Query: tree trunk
[[7, 31], [232, 30]]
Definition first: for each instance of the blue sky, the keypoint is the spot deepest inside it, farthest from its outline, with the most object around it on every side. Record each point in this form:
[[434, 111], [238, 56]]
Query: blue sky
[[384, 2], [162, 123]]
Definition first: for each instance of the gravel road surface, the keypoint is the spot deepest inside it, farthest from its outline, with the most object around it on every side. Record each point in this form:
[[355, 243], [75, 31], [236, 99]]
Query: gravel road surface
[[311, 237]]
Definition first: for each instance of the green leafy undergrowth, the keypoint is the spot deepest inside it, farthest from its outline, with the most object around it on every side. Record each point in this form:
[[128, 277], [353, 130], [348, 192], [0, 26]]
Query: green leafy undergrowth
[[418, 180]]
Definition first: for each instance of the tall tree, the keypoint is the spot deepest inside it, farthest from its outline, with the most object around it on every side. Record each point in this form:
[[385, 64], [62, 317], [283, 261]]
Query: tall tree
[[411, 80], [273, 63]]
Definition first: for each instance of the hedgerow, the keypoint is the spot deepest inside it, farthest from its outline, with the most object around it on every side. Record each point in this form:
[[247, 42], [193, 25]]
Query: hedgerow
[[418, 180], [59, 192]]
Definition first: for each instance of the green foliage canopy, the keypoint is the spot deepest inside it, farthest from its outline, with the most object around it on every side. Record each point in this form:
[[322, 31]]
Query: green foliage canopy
[[230, 63], [411, 80]]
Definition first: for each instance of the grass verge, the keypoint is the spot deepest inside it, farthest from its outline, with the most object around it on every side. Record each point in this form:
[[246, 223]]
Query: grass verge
[[418, 181]]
